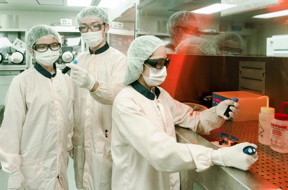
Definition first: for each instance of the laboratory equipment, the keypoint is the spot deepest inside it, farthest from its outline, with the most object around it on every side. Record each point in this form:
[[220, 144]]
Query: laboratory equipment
[[66, 69], [67, 57], [277, 46], [250, 150], [16, 57], [264, 131], [279, 131], [226, 113]]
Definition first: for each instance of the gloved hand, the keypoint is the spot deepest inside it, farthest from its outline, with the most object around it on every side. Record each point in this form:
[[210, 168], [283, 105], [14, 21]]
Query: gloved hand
[[81, 76], [234, 156], [16, 181], [222, 106]]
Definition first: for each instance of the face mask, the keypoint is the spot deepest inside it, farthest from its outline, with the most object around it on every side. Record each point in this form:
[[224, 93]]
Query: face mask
[[92, 39], [47, 58], [156, 77]]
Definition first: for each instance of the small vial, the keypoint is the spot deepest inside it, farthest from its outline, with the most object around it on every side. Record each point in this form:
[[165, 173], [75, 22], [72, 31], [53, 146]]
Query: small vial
[[226, 136], [221, 139], [234, 140]]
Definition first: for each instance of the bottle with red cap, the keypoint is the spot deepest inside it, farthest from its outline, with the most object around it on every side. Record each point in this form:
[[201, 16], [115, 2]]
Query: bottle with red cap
[[279, 131]]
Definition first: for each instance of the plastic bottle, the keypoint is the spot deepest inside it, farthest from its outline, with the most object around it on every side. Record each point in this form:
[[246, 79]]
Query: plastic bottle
[[279, 131], [264, 131]]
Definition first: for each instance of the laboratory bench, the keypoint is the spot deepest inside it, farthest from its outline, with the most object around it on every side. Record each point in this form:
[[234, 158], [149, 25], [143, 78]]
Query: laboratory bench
[[269, 172]]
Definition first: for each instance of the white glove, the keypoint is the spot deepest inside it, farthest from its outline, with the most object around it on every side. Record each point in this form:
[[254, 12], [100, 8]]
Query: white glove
[[81, 76], [222, 106], [16, 181], [234, 156]]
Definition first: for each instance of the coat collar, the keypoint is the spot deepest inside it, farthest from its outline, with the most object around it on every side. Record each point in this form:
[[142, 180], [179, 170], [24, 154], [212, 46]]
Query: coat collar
[[45, 73], [144, 91], [100, 50]]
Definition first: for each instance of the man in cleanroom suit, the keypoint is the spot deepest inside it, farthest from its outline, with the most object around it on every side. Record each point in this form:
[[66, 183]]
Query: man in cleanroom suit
[[99, 74], [144, 146], [35, 136]]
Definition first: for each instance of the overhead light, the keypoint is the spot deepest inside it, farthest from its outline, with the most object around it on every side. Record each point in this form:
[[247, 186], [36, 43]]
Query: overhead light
[[272, 15], [110, 4], [218, 7], [77, 3]]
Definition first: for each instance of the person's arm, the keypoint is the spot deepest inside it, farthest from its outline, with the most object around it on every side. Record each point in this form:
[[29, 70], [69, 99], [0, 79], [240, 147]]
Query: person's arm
[[70, 116], [101, 92], [105, 93], [158, 148], [185, 116], [11, 128]]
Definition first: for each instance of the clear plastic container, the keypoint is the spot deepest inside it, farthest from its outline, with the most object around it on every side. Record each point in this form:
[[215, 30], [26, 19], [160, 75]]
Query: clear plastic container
[[264, 131], [279, 131]]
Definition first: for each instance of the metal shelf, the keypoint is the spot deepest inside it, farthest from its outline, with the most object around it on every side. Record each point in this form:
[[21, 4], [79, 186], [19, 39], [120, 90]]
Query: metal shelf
[[12, 67]]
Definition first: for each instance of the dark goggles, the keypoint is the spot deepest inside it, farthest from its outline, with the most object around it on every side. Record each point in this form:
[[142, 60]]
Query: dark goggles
[[158, 63]]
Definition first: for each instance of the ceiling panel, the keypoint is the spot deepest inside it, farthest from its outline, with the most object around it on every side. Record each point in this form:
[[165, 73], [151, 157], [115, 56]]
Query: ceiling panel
[[33, 5], [51, 2]]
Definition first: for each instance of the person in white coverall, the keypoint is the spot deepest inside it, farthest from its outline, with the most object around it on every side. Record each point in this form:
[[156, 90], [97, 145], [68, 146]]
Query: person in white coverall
[[36, 132], [144, 146], [99, 74]]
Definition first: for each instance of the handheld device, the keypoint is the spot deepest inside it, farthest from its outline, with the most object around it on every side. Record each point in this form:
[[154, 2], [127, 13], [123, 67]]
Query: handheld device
[[226, 113]]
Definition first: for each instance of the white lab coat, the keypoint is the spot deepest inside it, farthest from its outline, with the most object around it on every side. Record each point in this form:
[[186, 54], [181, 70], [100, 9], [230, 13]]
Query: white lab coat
[[36, 132], [93, 122], [144, 147]]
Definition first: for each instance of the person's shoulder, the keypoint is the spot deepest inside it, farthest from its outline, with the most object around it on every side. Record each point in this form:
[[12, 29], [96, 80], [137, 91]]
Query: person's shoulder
[[125, 91], [163, 93], [124, 94], [162, 90], [24, 77], [115, 52], [25, 74], [82, 54]]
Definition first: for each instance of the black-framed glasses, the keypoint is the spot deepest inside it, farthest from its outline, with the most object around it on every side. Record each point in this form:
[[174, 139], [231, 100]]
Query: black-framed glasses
[[93, 27], [44, 47], [158, 63]]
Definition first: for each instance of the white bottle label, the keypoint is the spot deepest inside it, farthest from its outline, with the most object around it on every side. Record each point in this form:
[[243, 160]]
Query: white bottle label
[[279, 138]]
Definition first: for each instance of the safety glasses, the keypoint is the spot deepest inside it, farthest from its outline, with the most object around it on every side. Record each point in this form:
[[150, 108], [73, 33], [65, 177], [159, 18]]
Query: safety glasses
[[44, 47], [94, 27], [158, 63]]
